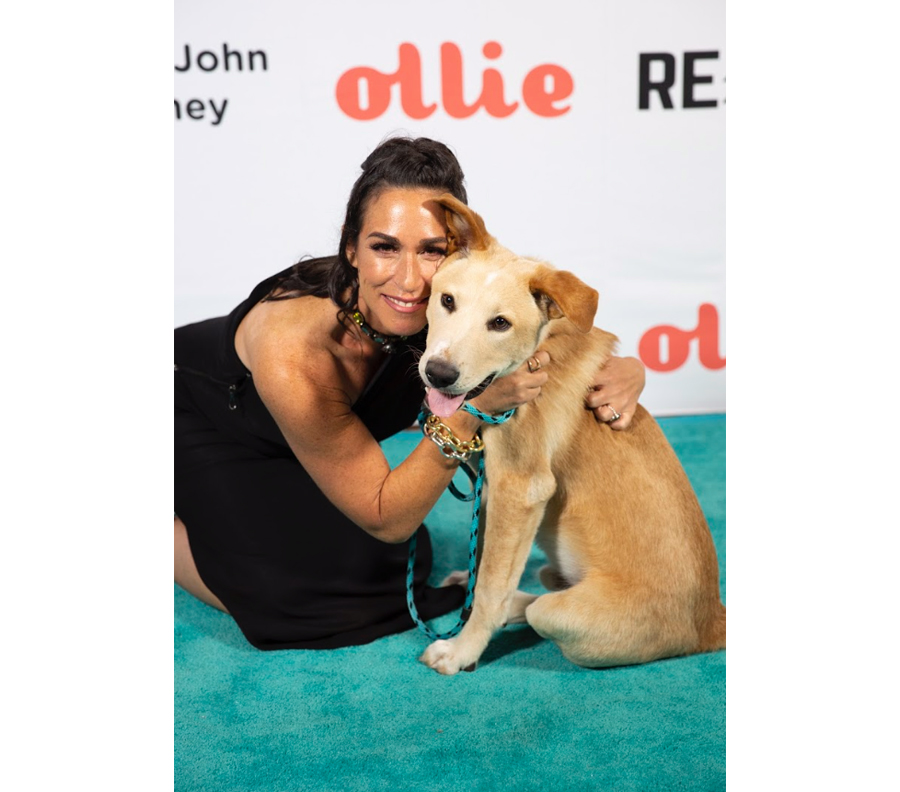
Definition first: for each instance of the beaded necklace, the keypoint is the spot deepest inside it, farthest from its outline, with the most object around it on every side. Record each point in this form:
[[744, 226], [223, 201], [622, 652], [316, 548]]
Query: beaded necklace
[[389, 343]]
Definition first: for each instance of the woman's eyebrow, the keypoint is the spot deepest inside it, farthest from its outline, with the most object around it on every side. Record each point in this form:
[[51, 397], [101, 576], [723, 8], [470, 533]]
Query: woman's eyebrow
[[439, 240], [385, 237]]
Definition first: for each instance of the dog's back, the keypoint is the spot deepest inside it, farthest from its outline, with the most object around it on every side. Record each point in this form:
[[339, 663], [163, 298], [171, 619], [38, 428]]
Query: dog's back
[[623, 520]]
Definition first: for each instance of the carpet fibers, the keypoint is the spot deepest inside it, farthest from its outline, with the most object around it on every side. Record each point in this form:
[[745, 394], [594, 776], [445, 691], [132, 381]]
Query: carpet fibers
[[371, 718]]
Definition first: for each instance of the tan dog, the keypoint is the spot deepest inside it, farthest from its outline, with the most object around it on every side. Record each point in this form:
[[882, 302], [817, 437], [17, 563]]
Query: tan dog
[[632, 566]]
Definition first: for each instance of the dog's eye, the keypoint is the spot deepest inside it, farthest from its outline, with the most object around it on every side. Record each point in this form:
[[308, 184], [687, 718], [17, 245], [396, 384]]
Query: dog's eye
[[447, 302], [499, 323]]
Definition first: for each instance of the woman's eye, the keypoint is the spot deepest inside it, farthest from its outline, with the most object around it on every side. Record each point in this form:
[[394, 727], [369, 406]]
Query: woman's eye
[[435, 253], [499, 323], [383, 247], [448, 302]]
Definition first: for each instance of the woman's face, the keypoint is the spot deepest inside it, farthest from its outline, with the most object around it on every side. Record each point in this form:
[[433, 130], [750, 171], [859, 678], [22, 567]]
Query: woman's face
[[402, 241]]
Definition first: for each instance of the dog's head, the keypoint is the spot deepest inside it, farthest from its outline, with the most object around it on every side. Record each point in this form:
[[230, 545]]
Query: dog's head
[[489, 311]]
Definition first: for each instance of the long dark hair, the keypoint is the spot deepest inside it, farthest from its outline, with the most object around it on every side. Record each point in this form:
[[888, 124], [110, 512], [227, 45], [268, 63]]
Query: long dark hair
[[398, 162]]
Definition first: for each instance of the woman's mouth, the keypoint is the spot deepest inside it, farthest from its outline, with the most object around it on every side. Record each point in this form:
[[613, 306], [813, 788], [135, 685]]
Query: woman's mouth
[[405, 306]]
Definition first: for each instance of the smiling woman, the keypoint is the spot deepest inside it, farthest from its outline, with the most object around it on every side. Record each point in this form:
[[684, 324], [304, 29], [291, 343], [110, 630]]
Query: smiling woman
[[395, 262], [289, 517]]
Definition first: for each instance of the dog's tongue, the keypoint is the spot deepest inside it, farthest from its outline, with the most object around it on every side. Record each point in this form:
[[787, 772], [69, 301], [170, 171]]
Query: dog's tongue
[[441, 405]]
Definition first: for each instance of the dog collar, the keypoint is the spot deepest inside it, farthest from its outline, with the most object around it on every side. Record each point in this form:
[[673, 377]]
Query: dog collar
[[491, 419]]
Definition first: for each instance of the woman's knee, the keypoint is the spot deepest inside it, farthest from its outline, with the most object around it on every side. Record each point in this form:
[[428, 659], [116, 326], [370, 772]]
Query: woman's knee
[[186, 574]]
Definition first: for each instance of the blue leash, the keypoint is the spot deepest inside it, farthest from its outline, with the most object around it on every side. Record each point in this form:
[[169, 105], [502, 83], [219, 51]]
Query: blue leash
[[475, 495]]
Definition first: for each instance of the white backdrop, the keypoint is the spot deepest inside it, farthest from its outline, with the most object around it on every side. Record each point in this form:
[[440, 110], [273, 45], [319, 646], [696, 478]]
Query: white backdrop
[[631, 199]]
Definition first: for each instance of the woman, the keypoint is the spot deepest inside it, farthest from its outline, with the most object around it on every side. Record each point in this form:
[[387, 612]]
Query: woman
[[288, 515]]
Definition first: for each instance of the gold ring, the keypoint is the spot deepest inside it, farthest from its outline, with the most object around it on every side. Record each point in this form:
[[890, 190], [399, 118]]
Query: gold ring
[[533, 365]]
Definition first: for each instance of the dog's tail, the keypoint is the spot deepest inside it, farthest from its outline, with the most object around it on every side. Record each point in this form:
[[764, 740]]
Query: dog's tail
[[712, 638]]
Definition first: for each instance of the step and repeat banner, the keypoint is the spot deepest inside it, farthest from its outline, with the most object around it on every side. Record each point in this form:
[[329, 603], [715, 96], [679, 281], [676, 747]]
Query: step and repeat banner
[[592, 136]]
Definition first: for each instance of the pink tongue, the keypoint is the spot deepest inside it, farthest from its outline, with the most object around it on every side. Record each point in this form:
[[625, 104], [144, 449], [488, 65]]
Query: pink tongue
[[443, 406]]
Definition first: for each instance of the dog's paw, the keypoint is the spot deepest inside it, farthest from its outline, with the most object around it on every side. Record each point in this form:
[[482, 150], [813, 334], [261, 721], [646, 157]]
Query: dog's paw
[[445, 658], [458, 578]]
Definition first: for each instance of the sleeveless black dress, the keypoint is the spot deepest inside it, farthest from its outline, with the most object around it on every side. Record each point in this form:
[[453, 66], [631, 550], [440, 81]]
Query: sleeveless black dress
[[291, 569]]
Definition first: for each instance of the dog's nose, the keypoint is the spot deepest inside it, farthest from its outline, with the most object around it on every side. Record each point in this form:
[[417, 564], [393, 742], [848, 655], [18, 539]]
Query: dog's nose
[[440, 373]]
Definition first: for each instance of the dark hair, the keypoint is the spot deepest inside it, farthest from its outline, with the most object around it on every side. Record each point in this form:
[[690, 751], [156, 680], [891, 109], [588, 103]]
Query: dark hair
[[416, 163]]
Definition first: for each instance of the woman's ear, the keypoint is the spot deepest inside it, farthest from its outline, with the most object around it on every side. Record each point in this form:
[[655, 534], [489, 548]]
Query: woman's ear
[[349, 251]]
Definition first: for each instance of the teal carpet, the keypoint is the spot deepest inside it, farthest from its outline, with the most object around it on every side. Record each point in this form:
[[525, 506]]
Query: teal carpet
[[371, 718]]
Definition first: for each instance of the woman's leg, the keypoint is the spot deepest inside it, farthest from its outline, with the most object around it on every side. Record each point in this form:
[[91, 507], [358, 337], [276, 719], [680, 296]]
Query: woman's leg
[[186, 574], [278, 556]]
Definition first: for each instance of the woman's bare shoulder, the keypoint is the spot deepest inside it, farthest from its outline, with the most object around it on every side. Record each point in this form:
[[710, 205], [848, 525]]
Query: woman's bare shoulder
[[298, 353], [289, 333]]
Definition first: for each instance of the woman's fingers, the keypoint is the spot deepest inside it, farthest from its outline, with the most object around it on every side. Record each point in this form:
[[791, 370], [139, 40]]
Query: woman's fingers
[[532, 375], [616, 390], [609, 414], [520, 387], [604, 405], [537, 361]]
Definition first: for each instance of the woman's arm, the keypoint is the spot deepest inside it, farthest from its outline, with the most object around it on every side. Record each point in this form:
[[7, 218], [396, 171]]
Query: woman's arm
[[617, 388], [315, 415]]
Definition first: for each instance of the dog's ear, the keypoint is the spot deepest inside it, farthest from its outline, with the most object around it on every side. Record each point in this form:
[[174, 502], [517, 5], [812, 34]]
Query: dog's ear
[[560, 293], [466, 229]]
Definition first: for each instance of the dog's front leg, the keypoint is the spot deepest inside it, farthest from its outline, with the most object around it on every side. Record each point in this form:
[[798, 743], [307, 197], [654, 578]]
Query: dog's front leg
[[514, 512]]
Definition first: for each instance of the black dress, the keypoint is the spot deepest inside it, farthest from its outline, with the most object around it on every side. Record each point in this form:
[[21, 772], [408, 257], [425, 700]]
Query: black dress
[[290, 568]]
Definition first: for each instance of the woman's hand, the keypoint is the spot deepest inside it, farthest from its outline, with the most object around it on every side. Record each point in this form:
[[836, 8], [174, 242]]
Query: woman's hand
[[516, 389], [617, 388]]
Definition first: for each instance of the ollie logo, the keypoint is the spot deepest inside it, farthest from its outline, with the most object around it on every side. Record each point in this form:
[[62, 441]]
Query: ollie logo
[[677, 342], [364, 93]]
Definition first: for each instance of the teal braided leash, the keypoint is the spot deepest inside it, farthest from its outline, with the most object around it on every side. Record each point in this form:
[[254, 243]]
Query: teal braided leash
[[478, 487]]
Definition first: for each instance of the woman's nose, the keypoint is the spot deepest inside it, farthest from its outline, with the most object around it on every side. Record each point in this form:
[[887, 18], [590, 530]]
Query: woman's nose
[[410, 276]]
